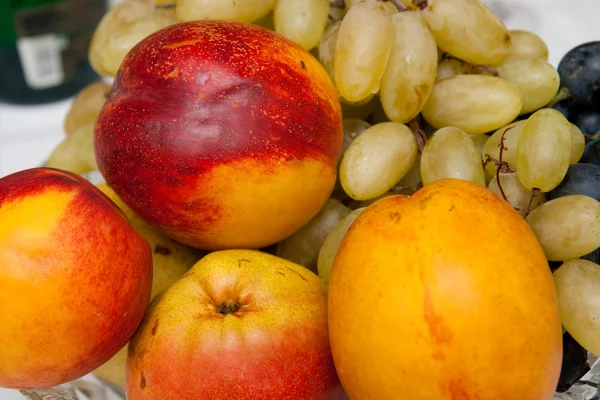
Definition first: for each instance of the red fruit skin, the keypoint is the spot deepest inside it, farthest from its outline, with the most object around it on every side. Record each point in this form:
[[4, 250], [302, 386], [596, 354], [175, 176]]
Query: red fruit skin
[[75, 278], [213, 127]]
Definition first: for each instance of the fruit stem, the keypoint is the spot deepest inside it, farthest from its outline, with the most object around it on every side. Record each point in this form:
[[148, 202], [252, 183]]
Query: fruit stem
[[502, 165], [420, 135], [421, 4], [337, 4], [164, 7], [228, 307], [485, 68], [534, 193], [562, 94]]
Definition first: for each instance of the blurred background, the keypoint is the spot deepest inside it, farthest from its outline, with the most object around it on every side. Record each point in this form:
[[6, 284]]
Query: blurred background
[[34, 100]]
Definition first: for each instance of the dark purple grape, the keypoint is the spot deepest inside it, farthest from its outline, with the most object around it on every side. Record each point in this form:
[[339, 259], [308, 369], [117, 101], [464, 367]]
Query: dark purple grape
[[554, 265], [594, 256], [574, 363], [580, 179], [565, 107], [579, 72], [591, 153], [588, 121]]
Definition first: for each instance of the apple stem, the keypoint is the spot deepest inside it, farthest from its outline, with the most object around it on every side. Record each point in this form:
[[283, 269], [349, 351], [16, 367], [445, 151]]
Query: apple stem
[[228, 307]]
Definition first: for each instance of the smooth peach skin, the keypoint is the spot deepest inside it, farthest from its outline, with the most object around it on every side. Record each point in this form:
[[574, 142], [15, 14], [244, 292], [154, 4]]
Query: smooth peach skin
[[445, 295], [221, 134], [75, 278], [275, 347]]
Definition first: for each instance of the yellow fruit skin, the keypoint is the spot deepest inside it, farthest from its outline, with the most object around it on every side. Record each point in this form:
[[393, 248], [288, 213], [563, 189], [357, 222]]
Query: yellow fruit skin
[[170, 260], [420, 307]]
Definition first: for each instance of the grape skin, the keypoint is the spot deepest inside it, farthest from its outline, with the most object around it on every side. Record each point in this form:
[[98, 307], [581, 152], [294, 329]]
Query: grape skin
[[377, 159], [411, 69], [86, 106], [537, 80], [468, 30], [362, 50], [544, 150], [511, 133], [450, 153], [474, 103], [303, 246], [567, 227], [527, 44], [577, 283], [302, 22], [332, 242], [579, 72]]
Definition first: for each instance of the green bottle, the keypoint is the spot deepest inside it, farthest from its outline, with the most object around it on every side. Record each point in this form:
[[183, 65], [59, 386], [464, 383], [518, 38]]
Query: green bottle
[[44, 48]]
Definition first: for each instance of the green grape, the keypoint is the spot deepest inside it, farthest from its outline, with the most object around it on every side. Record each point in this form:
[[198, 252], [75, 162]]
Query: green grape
[[377, 159], [352, 128], [449, 67], [479, 141], [450, 153], [511, 133], [567, 227], [578, 146], [516, 194], [577, 282], [412, 179], [468, 30], [327, 47], [362, 50], [302, 247], [123, 14], [238, 10], [302, 22], [411, 69], [544, 150], [76, 152], [360, 110], [537, 80], [332, 242], [474, 103], [527, 44], [86, 106], [124, 38]]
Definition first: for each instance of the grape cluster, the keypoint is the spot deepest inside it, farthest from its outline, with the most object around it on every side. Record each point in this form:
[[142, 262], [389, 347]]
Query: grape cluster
[[432, 90]]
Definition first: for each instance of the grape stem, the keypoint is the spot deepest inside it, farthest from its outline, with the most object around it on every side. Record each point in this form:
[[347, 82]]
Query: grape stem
[[562, 94], [485, 68], [413, 188], [420, 135], [399, 5], [164, 7], [502, 166], [474, 67], [534, 193], [421, 4]]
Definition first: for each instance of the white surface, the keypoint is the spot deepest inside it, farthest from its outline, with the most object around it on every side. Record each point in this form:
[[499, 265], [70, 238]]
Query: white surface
[[28, 134]]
